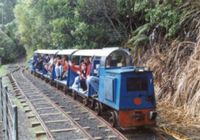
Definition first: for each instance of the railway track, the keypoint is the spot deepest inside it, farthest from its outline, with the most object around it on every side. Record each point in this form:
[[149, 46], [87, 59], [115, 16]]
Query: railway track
[[71, 119]]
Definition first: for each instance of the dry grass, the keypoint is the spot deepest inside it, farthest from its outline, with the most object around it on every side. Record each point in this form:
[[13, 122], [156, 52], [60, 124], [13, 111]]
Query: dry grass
[[176, 69]]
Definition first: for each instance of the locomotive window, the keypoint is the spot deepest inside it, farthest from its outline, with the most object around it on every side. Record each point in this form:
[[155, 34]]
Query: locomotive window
[[118, 59], [137, 84]]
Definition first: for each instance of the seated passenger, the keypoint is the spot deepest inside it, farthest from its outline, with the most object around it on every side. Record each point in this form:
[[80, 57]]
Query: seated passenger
[[35, 61], [45, 62], [50, 64], [58, 68], [64, 63], [39, 64], [80, 81], [93, 81]]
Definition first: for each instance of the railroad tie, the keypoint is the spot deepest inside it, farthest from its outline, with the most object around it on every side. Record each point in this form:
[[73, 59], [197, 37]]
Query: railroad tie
[[44, 108], [68, 112], [107, 130], [40, 103], [20, 97], [101, 126], [91, 118], [57, 103], [33, 124], [98, 138], [63, 130], [37, 99], [56, 121], [61, 106], [76, 119], [27, 110], [50, 114], [111, 137], [31, 116], [25, 105], [83, 112], [76, 106], [23, 101], [39, 133], [35, 96], [17, 94], [86, 127]]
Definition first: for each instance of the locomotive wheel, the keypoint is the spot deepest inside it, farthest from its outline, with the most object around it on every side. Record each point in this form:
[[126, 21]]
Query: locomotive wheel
[[51, 82], [98, 108], [113, 118], [85, 102]]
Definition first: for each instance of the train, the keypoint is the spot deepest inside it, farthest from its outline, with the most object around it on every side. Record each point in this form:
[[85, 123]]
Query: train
[[124, 91]]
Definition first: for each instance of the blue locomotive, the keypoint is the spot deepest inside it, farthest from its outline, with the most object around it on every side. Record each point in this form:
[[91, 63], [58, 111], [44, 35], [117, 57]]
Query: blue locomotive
[[106, 80]]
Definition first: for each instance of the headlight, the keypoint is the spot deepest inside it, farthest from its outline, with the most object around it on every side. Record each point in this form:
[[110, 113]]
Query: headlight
[[146, 69]]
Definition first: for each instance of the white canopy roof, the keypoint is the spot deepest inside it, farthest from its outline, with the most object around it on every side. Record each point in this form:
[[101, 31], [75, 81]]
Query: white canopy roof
[[46, 51], [66, 52], [95, 52], [88, 52], [84, 52]]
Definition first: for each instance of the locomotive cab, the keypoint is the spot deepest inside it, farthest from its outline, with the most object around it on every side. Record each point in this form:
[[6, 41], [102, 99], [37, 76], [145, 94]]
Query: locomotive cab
[[127, 89]]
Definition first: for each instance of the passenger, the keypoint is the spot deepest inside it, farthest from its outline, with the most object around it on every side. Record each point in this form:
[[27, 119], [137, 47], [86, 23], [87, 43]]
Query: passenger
[[50, 64], [83, 76], [80, 81], [58, 67], [45, 62], [92, 81], [64, 63], [39, 64], [74, 67], [88, 62], [35, 61]]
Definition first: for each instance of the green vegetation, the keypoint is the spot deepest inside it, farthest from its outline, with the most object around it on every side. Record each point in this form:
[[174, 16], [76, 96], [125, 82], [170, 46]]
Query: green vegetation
[[10, 46], [93, 24], [3, 70], [137, 24]]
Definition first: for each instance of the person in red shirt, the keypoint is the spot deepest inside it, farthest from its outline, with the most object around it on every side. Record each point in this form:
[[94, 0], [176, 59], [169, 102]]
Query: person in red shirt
[[64, 63], [83, 72], [80, 80]]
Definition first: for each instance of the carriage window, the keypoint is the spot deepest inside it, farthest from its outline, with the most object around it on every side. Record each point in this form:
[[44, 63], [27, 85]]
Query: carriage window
[[137, 84]]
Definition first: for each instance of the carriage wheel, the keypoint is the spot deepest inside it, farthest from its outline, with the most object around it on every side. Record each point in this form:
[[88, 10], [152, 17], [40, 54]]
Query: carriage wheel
[[51, 82], [92, 104], [98, 108], [65, 89], [74, 95], [85, 102], [57, 86]]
